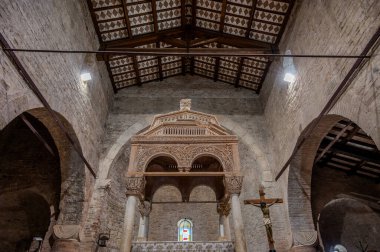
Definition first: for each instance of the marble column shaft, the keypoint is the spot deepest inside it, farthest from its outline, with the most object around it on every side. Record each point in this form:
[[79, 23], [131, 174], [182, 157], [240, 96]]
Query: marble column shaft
[[240, 243], [129, 221]]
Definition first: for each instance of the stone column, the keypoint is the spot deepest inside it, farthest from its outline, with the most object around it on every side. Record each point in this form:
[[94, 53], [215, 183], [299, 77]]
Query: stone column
[[135, 191], [233, 185], [223, 209], [144, 221], [67, 238]]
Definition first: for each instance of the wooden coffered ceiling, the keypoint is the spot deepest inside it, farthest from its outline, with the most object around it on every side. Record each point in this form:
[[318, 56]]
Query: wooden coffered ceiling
[[186, 24], [348, 148]]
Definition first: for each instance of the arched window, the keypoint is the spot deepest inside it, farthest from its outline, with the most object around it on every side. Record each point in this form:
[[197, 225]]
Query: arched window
[[185, 230]]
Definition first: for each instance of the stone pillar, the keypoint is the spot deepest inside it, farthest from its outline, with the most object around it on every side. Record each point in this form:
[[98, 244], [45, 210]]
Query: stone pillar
[[135, 190], [144, 221], [233, 185], [223, 209], [67, 238]]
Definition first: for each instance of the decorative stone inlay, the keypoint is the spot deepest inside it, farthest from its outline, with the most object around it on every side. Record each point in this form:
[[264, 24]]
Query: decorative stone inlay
[[185, 154], [171, 246], [145, 208], [233, 184], [135, 186]]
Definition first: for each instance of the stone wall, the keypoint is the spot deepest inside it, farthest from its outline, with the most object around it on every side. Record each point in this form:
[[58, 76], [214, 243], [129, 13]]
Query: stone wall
[[82, 107], [236, 109], [319, 27], [55, 25]]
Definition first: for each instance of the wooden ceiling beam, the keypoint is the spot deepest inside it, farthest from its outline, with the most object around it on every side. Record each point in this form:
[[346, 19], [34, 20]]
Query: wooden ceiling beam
[[183, 13], [127, 22], [238, 74], [352, 151], [202, 41], [136, 69], [233, 40], [142, 39], [175, 42], [216, 68], [159, 63], [222, 15], [251, 16], [154, 11]]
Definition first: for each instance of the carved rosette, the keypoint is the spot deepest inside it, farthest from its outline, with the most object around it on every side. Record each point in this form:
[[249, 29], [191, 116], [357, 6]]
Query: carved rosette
[[233, 184], [223, 208], [145, 208], [135, 186]]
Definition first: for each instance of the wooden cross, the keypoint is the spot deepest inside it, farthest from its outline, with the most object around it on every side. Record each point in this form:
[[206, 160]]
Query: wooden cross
[[264, 205]]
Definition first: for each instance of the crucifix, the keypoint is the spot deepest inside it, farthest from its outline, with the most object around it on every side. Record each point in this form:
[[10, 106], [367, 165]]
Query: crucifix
[[264, 205]]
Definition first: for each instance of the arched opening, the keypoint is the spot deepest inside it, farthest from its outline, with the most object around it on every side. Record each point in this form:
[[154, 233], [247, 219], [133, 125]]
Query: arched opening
[[349, 224], [337, 159], [30, 183], [185, 230]]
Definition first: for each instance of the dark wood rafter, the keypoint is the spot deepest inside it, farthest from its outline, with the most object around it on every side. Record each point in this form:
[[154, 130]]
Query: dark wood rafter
[[136, 69], [159, 64], [183, 13], [348, 149], [238, 74], [284, 23], [127, 22], [115, 22], [251, 16]]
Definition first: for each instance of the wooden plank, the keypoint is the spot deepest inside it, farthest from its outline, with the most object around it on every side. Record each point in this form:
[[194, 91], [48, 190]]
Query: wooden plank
[[216, 68], [200, 42], [238, 74], [154, 11], [136, 68], [183, 13], [175, 42], [251, 16], [159, 63], [222, 15], [193, 13], [127, 22], [181, 174]]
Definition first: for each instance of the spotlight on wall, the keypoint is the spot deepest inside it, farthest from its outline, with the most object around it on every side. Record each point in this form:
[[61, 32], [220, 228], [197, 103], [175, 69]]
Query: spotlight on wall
[[85, 77], [289, 77], [103, 238]]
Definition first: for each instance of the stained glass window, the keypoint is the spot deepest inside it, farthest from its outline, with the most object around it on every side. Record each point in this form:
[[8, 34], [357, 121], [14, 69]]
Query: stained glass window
[[185, 230]]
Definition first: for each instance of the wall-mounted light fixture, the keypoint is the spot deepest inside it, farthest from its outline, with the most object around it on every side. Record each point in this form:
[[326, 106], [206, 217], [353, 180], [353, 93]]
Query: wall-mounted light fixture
[[289, 68], [85, 77]]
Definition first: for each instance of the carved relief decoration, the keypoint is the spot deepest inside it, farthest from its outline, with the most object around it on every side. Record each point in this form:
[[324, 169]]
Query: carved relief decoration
[[305, 238], [185, 154], [223, 208], [135, 186], [145, 208], [233, 184]]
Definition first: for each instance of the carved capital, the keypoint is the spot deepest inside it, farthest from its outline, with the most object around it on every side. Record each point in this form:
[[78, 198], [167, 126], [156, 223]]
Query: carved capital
[[135, 186], [145, 208], [223, 208], [233, 184], [185, 104], [66, 231]]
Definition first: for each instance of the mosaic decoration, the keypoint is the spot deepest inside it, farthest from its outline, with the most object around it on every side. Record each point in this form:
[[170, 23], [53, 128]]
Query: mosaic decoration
[[258, 20]]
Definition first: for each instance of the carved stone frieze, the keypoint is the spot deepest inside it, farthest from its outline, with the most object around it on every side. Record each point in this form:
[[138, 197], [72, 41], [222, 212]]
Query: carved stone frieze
[[233, 184], [135, 186], [145, 208], [164, 246], [185, 154]]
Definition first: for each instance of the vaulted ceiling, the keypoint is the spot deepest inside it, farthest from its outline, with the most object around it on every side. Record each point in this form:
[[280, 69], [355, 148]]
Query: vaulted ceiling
[[255, 24]]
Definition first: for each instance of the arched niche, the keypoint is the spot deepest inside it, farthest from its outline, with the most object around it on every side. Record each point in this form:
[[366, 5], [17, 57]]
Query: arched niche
[[302, 209], [202, 193], [349, 223], [29, 168]]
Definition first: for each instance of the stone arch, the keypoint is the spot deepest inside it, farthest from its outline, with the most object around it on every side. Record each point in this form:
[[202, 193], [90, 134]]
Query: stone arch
[[72, 170], [217, 158], [158, 155], [347, 222], [299, 182], [204, 193]]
